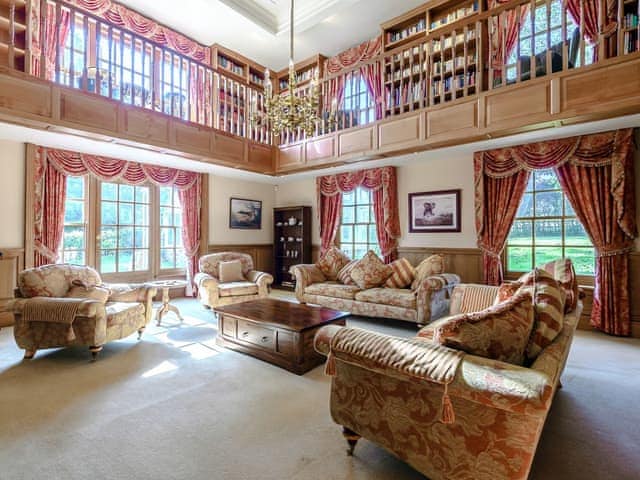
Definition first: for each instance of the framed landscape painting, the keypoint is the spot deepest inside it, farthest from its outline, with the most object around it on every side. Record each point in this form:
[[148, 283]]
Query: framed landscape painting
[[246, 214], [434, 211]]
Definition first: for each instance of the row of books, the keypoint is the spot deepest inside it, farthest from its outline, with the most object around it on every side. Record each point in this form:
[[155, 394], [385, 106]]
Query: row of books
[[630, 42], [437, 45], [230, 98], [456, 82], [398, 35], [454, 63], [300, 77], [255, 78], [455, 15], [630, 20], [230, 65], [409, 93], [414, 69]]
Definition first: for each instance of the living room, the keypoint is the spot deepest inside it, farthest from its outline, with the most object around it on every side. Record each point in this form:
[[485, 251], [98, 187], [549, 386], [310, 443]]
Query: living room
[[431, 266]]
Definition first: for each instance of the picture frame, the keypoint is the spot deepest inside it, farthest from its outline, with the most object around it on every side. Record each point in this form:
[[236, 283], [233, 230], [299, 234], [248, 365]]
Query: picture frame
[[245, 214], [435, 212]]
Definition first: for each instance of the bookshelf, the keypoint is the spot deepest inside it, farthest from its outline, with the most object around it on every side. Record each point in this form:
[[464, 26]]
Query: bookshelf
[[292, 242], [305, 71], [405, 28], [448, 13], [13, 34], [630, 26]]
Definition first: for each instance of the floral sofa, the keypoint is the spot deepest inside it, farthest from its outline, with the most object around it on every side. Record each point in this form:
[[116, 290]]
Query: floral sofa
[[122, 310], [424, 299], [448, 413]]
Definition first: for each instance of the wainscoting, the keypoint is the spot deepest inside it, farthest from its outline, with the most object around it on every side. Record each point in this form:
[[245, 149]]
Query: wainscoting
[[11, 263], [464, 262], [262, 254]]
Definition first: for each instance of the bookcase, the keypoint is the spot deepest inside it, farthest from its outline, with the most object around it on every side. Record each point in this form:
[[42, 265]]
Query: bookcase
[[291, 241], [13, 34], [630, 26], [305, 71]]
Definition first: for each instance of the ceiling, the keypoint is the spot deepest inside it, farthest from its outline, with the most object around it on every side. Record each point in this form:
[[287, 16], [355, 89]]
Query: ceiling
[[259, 29]]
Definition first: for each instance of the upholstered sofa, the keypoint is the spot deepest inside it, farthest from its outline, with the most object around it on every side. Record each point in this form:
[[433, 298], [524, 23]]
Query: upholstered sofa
[[481, 420], [212, 292], [425, 299], [127, 309]]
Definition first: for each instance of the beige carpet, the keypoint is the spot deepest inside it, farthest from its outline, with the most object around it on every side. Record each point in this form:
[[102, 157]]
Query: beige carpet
[[175, 407]]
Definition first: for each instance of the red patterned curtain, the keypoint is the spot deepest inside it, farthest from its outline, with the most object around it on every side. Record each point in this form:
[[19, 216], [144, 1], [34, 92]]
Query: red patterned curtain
[[54, 26], [597, 174], [334, 91], [504, 29], [190, 200], [383, 182], [587, 11], [49, 216], [372, 75], [349, 58]]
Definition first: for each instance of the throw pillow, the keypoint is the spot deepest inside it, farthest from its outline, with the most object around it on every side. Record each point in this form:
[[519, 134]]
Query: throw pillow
[[332, 262], [548, 300], [433, 265], [344, 275], [370, 271], [92, 292], [563, 272], [403, 274], [230, 271], [506, 291], [500, 332]]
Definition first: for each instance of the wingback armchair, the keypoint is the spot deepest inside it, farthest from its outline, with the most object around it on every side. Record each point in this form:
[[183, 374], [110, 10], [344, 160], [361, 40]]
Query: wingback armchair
[[212, 292], [46, 316]]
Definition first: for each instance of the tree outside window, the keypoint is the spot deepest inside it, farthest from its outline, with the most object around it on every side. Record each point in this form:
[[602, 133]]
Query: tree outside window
[[358, 226]]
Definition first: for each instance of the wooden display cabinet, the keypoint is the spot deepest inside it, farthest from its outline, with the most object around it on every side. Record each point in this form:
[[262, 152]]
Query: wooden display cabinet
[[292, 242], [404, 28], [305, 71], [13, 34]]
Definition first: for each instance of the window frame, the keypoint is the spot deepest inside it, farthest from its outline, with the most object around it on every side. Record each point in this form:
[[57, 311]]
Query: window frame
[[85, 225], [370, 224], [157, 258], [356, 86]]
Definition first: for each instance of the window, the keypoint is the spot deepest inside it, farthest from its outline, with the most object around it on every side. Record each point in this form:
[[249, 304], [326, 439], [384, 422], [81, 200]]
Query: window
[[171, 251], [124, 228], [358, 228], [358, 101], [73, 55], [174, 86], [546, 228], [74, 239]]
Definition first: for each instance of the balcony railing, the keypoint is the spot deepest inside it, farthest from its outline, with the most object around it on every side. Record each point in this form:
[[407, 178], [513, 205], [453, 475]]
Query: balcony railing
[[512, 43]]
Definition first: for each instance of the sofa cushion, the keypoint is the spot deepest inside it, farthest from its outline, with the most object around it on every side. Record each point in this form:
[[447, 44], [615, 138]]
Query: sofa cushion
[[124, 313], [432, 265], [403, 274], [234, 289], [548, 300], [344, 275], [333, 289], [506, 291], [467, 298], [230, 271], [563, 272], [332, 262], [370, 271], [94, 292], [501, 332], [397, 297]]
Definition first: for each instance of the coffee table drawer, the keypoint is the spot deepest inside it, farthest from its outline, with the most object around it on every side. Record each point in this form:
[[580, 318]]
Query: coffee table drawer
[[255, 334]]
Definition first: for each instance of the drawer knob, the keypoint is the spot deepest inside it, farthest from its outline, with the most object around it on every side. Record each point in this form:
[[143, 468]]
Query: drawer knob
[[245, 334], [265, 339]]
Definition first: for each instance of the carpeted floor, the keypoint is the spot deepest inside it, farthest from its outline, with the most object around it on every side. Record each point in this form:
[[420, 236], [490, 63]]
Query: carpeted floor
[[174, 406]]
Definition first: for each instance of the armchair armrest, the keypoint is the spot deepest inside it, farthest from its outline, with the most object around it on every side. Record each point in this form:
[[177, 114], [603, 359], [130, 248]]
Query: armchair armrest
[[131, 293], [207, 288], [86, 307], [306, 274], [433, 294], [262, 279]]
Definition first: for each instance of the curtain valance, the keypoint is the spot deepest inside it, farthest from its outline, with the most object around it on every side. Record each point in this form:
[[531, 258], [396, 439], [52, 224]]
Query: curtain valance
[[111, 169], [372, 179], [351, 57]]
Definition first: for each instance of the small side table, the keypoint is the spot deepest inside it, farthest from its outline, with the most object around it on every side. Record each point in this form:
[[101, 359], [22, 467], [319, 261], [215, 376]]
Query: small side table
[[167, 285]]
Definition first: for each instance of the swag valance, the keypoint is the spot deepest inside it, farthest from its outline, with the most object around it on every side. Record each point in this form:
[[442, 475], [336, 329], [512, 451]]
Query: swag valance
[[361, 53], [383, 183]]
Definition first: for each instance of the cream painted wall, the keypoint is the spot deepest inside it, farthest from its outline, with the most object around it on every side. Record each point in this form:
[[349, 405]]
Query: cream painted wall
[[12, 166], [220, 191], [301, 193]]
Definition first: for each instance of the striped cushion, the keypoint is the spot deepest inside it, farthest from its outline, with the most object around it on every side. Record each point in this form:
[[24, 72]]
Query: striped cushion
[[344, 275], [403, 274], [548, 300], [470, 297], [563, 272], [432, 265]]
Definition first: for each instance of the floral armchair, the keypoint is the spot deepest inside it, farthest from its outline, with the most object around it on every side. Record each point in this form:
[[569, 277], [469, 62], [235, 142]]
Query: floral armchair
[[213, 293], [46, 317]]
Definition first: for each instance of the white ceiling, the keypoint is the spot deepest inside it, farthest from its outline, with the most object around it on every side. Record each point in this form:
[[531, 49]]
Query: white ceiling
[[259, 29]]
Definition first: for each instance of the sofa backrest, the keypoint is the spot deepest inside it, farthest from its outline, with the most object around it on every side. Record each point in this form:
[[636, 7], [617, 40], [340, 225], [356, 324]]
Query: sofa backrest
[[54, 280], [470, 297], [209, 263]]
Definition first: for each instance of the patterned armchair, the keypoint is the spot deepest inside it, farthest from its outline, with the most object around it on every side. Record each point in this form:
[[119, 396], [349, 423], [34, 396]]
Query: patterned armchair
[[212, 293], [46, 318]]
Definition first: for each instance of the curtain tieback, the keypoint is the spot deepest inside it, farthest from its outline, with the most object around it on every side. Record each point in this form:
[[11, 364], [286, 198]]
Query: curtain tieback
[[45, 251], [607, 252], [491, 253]]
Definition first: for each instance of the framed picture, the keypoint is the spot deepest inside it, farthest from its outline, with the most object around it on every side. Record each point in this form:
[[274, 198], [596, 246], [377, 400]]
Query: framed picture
[[434, 211], [245, 214]]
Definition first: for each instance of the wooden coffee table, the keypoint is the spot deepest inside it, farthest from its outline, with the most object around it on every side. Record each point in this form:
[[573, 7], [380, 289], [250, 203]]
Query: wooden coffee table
[[276, 331]]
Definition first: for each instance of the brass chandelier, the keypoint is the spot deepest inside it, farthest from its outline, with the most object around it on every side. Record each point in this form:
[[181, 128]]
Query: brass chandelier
[[292, 110]]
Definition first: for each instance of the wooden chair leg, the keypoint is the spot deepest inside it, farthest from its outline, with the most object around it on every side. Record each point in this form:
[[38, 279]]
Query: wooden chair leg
[[94, 352], [559, 384], [352, 438], [29, 354], [140, 330]]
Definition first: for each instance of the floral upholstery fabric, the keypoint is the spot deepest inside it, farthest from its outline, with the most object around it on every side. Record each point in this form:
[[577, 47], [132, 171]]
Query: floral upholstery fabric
[[370, 271], [500, 332], [506, 290], [468, 297], [403, 274], [388, 296], [96, 292], [432, 265], [332, 262], [548, 300], [366, 309], [232, 289], [124, 313], [333, 289], [344, 275], [54, 280], [563, 272], [210, 263]]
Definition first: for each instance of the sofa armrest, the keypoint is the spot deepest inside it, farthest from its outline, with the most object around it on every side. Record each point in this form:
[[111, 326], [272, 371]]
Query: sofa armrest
[[471, 297], [86, 307], [262, 279], [306, 274], [432, 296], [130, 292]]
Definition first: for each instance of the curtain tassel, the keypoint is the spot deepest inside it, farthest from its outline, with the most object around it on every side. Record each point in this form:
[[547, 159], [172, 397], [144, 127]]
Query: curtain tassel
[[448, 415], [330, 367]]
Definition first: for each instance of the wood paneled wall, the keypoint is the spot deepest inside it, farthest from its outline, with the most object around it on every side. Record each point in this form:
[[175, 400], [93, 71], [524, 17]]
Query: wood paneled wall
[[262, 254], [465, 262], [11, 263]]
